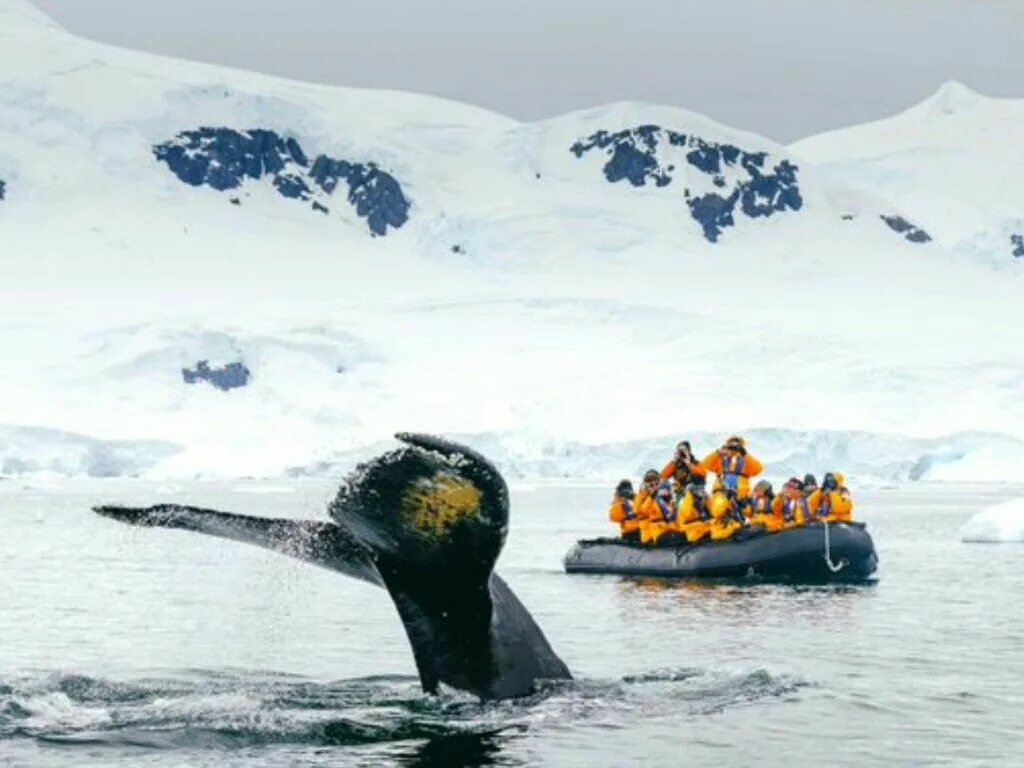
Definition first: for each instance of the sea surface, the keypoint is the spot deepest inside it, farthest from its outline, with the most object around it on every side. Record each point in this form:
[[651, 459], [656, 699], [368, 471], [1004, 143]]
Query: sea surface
[[146, 647]]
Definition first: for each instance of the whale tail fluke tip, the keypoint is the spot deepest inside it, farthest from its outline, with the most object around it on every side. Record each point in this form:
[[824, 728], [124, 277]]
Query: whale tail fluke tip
[[129, 515]]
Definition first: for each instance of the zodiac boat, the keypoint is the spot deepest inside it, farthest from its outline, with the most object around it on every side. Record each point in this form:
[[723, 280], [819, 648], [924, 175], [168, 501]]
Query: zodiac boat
[[815, 553]]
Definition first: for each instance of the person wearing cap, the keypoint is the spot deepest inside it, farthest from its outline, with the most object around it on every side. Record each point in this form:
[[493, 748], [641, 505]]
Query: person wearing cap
[[683, 460], [654, 508], [694, 518], [790, 506], [623, 512], [733, 467], [759, 510], [831, 503]]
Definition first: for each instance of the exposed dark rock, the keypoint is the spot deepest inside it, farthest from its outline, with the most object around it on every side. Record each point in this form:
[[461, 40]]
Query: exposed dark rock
[[223, 158], [230, 376], [910, 232], [374, 194], [744, 178]]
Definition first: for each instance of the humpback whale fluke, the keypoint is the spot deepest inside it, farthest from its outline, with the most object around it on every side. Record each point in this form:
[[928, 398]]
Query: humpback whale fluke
[[426, 522], [321, 543]]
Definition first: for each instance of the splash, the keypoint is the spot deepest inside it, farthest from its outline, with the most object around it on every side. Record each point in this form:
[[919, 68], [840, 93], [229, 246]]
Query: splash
[[255, 718]]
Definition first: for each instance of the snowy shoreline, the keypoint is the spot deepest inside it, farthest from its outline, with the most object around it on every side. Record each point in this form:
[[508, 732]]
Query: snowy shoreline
[[27, 452]]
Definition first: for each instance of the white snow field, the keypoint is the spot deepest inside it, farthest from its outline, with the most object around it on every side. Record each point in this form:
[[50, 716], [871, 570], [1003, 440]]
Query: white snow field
[[571, 295], [953, 164], [998, 524]]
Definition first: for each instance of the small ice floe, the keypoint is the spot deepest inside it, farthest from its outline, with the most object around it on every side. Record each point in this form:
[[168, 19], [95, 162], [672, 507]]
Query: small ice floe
[[999, 523]]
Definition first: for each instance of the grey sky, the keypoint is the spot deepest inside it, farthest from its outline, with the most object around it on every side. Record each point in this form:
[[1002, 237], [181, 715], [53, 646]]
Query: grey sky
[[784, 68]]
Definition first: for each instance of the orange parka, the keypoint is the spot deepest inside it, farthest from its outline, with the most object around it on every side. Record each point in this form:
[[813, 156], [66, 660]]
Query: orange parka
[[733, 469], [760, 512], [758, 506], [653, 519], [669, 470], [834, 506], [791, 512], [644, 505], [694, 519], [623, 512]]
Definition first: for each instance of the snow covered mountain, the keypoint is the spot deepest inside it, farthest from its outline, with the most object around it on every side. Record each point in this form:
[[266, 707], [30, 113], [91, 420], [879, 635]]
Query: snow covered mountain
[[953, 163], [270, 276]]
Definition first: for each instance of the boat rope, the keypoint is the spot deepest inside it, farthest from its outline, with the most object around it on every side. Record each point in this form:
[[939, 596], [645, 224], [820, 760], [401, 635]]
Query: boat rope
[[834, 567]]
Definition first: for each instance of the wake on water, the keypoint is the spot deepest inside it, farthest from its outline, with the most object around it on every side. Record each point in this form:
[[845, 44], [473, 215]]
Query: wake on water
[[202, 709]]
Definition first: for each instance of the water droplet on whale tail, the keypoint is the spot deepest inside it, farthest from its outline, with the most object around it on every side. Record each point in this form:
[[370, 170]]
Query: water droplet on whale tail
[[434, 515]]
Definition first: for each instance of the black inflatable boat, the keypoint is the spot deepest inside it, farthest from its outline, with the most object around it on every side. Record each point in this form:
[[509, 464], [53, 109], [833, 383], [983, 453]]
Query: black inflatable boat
[[814, 553]]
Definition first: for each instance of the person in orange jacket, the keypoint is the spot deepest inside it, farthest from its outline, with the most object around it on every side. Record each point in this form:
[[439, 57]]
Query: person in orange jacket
[[733, 467], [791, 507], [726, 517], [759, 510], [648, 487], [831, 503], [694, 518], [683, 460], [623, 513], [681, 480], [654, 508]]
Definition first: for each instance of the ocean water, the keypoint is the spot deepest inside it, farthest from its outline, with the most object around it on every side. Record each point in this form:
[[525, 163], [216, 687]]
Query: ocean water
[[128, 647]]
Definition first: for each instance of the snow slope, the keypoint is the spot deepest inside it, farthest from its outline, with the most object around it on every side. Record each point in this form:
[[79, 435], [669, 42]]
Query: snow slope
[[380, 261], [953, 163]]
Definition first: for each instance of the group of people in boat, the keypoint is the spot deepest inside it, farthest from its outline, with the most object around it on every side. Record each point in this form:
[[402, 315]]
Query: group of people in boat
[[674, 506]]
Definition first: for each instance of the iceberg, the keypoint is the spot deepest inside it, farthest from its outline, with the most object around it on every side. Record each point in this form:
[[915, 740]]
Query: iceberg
[[1000, 523]]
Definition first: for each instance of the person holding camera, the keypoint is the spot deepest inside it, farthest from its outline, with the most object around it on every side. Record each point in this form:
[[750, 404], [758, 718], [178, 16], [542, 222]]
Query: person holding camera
[[733, 467], [694, 518], [831, 503], [682, 460], [760, 507], [791, 506], [654, 507], [623, 512]]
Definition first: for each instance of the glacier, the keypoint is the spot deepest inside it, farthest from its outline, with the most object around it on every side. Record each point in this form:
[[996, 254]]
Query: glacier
[[572, 295]]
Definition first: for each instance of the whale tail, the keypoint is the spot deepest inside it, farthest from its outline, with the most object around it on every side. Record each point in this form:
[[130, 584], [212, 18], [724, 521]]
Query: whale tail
[[434, 515], [427, 522], [325, 544]]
